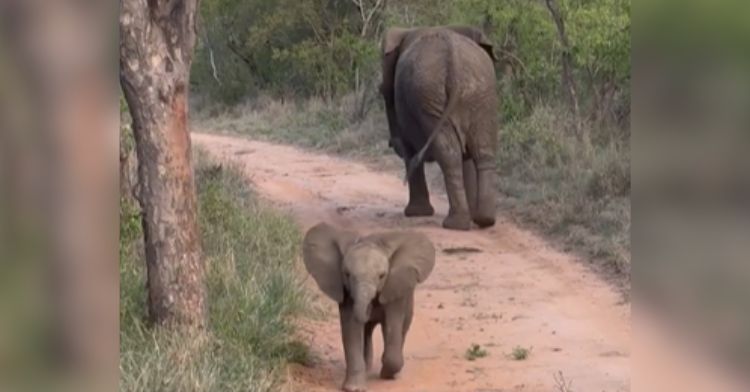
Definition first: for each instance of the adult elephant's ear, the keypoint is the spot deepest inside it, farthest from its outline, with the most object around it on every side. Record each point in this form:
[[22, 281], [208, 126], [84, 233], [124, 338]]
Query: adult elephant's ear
[[478, 36], [412, 257], [322, 250], [390, 50], [393, 38]]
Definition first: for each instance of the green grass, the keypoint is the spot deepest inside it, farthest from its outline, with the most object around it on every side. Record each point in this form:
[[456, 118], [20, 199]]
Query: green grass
[[474, 352], [254, 295]]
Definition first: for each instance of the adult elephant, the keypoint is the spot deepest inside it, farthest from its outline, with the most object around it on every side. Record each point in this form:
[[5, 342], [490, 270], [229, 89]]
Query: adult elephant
[[441, 103]]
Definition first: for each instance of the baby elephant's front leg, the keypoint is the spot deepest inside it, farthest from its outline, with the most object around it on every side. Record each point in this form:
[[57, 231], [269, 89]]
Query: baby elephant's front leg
[[393, 336], [352, 336]]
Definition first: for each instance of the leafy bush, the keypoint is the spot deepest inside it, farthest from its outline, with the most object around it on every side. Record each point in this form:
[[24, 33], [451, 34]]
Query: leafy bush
[[286, 48]]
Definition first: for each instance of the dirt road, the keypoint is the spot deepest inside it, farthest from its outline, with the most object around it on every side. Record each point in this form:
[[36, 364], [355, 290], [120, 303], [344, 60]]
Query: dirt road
[[499, 288]]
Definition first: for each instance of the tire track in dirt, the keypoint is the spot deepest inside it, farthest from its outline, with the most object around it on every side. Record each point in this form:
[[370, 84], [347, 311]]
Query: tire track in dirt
[[514, 291]]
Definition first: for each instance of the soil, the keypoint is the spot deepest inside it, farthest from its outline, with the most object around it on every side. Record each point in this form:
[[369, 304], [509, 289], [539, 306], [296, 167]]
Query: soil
[[499, 288]]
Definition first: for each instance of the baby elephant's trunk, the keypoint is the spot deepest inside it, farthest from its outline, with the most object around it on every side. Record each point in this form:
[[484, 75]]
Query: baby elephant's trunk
[[363, 296]]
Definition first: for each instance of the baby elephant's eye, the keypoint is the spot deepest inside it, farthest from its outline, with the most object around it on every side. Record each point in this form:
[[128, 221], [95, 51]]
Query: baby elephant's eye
[[382, 275]]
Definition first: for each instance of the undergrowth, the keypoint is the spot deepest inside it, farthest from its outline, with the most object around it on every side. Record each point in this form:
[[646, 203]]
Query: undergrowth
[[253, 296]]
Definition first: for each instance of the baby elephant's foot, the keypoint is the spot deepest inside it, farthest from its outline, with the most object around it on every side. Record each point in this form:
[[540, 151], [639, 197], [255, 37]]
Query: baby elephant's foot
[[391, 367], [355, 382], [457, 222], [352, 385]]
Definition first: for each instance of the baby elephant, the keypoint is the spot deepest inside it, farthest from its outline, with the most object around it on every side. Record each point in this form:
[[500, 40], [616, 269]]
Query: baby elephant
[[372, 278]]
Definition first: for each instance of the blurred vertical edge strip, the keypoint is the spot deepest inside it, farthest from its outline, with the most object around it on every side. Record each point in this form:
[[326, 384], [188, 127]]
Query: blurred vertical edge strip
[[58, 195], [691, 194]]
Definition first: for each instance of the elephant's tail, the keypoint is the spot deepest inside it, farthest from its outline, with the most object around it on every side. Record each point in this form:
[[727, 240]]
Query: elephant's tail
[[452, 94]]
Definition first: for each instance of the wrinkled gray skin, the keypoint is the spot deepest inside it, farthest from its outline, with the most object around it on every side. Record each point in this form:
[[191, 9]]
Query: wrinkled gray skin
[[372, 279], [444, 77]]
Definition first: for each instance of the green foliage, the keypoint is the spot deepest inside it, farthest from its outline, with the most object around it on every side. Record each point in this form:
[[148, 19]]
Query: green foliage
[[323, 48], [288, 47], [599, 32], [254, 293]]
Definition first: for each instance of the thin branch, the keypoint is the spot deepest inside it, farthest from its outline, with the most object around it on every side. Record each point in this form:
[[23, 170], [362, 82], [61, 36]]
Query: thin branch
[[374, 9], [515, 58], [367, 15], [207, 41], [567, 71]]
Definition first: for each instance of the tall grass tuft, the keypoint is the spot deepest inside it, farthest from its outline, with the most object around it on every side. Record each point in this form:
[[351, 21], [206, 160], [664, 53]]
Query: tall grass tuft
[[254, 294]]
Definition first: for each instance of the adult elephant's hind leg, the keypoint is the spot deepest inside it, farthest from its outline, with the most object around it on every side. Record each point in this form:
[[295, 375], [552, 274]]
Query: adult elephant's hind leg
[[470, 183], [486, 195], [449, 157], [419, 196], [482, 146]]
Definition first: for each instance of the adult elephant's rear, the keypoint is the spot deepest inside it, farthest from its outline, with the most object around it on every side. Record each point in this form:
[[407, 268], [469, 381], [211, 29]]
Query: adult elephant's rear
[[439, 90]]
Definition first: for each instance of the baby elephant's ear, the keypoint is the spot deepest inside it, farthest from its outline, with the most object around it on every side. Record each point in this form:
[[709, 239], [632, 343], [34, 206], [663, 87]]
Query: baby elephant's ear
[[322, 250], [412, 257]]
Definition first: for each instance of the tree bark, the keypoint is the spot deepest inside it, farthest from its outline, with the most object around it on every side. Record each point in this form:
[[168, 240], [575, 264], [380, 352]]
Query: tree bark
[[156, 47], [568, 83]]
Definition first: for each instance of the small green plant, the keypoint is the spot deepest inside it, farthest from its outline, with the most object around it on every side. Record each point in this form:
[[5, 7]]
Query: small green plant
[[520, 353], [474, 352]]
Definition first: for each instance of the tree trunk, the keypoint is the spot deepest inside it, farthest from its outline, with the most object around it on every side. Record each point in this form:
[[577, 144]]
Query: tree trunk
[[568, 83], [156, 47]]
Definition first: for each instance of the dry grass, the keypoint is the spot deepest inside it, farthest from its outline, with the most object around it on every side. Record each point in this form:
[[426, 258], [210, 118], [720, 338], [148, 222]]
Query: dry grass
[[576, 188], [561, 383], [313, 124]]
